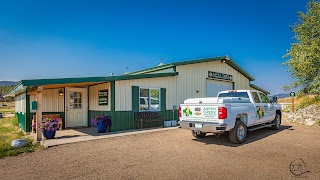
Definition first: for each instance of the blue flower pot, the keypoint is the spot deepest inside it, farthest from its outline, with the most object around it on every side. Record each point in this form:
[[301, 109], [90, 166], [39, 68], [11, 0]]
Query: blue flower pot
[[49, 134], [101, 127]]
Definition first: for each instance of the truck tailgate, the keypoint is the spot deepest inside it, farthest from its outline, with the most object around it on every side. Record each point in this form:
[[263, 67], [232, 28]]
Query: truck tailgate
[[201, 113]]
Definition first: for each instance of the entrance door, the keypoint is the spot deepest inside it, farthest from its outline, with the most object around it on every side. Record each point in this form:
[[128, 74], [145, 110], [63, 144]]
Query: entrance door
[[76, 107], [214, 87]]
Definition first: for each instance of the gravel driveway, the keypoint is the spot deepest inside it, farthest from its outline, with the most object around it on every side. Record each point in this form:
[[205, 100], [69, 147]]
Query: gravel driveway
[[175, 154]]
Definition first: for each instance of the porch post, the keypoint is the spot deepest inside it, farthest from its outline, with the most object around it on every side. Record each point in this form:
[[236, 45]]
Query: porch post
[[39, 111]]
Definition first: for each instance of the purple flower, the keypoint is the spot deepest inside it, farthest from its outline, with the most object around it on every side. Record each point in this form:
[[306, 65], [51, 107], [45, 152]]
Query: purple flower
[[106, 120]]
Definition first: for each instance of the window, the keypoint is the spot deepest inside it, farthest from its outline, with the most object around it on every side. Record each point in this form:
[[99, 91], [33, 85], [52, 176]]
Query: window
[[234, 94], [75, 100], [264, 98], [256, 97], [149, 99]]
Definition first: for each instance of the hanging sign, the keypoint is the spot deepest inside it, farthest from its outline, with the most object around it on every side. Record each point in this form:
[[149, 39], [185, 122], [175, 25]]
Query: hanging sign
[[217, 75]]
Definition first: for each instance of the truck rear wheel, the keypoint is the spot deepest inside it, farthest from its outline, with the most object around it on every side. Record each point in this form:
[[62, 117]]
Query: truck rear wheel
[[198, 134], [238, 133], [277, 121]]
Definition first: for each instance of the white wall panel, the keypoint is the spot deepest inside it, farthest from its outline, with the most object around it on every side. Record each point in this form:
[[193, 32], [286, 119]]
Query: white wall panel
[[20, 103], [94, 97], [51, 100], [192, 78]]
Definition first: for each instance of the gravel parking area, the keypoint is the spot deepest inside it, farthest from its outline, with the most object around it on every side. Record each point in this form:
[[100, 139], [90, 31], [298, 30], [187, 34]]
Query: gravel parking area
[[175, 154]]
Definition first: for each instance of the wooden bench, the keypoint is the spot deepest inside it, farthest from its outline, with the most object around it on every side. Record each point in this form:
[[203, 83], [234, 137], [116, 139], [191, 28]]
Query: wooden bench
[[147, 120], [34, 120]]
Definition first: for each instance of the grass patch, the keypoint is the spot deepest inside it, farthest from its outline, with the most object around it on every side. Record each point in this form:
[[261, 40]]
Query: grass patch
[[305, 101], [9, 131]]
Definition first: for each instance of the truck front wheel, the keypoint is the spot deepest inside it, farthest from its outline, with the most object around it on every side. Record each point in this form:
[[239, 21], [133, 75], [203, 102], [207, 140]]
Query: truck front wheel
[[198, 134], [277, 121], [238, 133]]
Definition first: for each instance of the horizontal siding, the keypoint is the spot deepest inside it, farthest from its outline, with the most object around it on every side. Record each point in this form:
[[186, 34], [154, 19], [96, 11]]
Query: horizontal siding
[[124, 95], [94, 96], [192, 78]]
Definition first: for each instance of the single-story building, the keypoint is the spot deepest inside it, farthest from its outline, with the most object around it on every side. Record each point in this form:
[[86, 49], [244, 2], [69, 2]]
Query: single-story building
[[159, 89]]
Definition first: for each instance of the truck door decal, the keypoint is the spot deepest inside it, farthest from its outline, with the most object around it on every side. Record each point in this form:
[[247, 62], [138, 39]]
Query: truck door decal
[[260, 112], [187, 111]]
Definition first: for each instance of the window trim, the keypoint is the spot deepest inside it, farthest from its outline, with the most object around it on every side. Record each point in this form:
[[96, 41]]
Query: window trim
[[149, 102], [257, 95], [260, 94]]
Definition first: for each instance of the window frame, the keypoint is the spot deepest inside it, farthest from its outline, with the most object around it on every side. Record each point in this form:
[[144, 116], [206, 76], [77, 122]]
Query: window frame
[[261, 95], [258, 95], [149, 97]]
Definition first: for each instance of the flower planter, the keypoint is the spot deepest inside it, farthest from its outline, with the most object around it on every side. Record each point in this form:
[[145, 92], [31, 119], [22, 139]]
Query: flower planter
[[167, 123], [174, 123], [49, 134], [101, 127]]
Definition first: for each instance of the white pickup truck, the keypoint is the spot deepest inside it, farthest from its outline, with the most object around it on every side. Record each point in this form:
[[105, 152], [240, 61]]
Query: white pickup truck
[[234, 111]]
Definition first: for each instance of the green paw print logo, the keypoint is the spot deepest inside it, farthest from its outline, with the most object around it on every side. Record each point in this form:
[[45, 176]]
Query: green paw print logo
[[187, 111]]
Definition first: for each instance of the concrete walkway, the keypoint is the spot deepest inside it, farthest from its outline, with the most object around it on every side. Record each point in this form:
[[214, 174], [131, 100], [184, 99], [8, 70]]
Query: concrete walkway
[[88, 134]]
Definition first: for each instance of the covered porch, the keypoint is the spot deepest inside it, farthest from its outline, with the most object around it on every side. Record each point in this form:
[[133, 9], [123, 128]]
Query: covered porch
[[76, 101]]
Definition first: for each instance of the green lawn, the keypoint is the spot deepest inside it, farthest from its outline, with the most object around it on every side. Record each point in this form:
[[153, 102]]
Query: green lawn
[[9, 131]]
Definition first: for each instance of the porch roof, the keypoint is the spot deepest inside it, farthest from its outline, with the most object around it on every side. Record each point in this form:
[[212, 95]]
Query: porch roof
[[24, 84]]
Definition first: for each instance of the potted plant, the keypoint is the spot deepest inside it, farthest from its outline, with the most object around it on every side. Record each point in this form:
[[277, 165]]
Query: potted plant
[[49, 126], [102, 122]]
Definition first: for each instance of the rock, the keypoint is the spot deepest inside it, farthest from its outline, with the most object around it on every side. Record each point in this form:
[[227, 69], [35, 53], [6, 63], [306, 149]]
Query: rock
[[310, 123], [19, 143]]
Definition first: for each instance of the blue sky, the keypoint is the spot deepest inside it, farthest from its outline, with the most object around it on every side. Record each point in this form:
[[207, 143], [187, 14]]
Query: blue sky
[[57, 39]]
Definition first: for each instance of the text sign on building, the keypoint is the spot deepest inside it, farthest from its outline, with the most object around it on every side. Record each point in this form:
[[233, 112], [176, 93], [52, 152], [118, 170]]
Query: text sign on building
[[217, 75], [103, 97]]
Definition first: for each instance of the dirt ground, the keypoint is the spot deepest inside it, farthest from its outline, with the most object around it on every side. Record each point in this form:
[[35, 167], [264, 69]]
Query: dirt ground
[[176, 154]]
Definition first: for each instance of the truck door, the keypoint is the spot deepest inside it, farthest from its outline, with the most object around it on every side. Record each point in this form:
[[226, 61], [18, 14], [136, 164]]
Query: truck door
[[260, 109], [268, 107]]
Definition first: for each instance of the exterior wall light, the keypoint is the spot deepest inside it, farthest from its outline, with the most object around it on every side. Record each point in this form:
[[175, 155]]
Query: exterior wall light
[[60, 92]]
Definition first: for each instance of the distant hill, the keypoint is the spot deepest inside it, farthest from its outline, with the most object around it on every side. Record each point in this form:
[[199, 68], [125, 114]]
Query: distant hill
[[282, 95], [7, 83]]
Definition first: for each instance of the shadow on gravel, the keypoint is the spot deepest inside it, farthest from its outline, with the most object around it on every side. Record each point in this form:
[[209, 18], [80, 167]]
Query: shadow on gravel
[[253, 136]]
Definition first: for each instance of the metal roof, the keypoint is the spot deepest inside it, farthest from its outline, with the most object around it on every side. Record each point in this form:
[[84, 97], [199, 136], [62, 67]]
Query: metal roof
[[227, 60]]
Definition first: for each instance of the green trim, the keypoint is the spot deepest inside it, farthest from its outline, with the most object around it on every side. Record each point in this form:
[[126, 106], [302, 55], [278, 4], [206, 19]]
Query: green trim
[[22, 120], [227, 59], [174, 68], [135, 98], [28, 121], [113, 95], [163, 98], [41, 82], [153, 69], [259, 89]]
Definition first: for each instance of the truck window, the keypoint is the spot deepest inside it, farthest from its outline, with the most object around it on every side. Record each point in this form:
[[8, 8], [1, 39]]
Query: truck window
[[256, 97], [264, 98], [234, 94]]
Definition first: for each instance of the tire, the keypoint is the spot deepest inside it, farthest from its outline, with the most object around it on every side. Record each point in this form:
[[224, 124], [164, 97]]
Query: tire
[[238, 133], [276, 120], [198, 134]]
